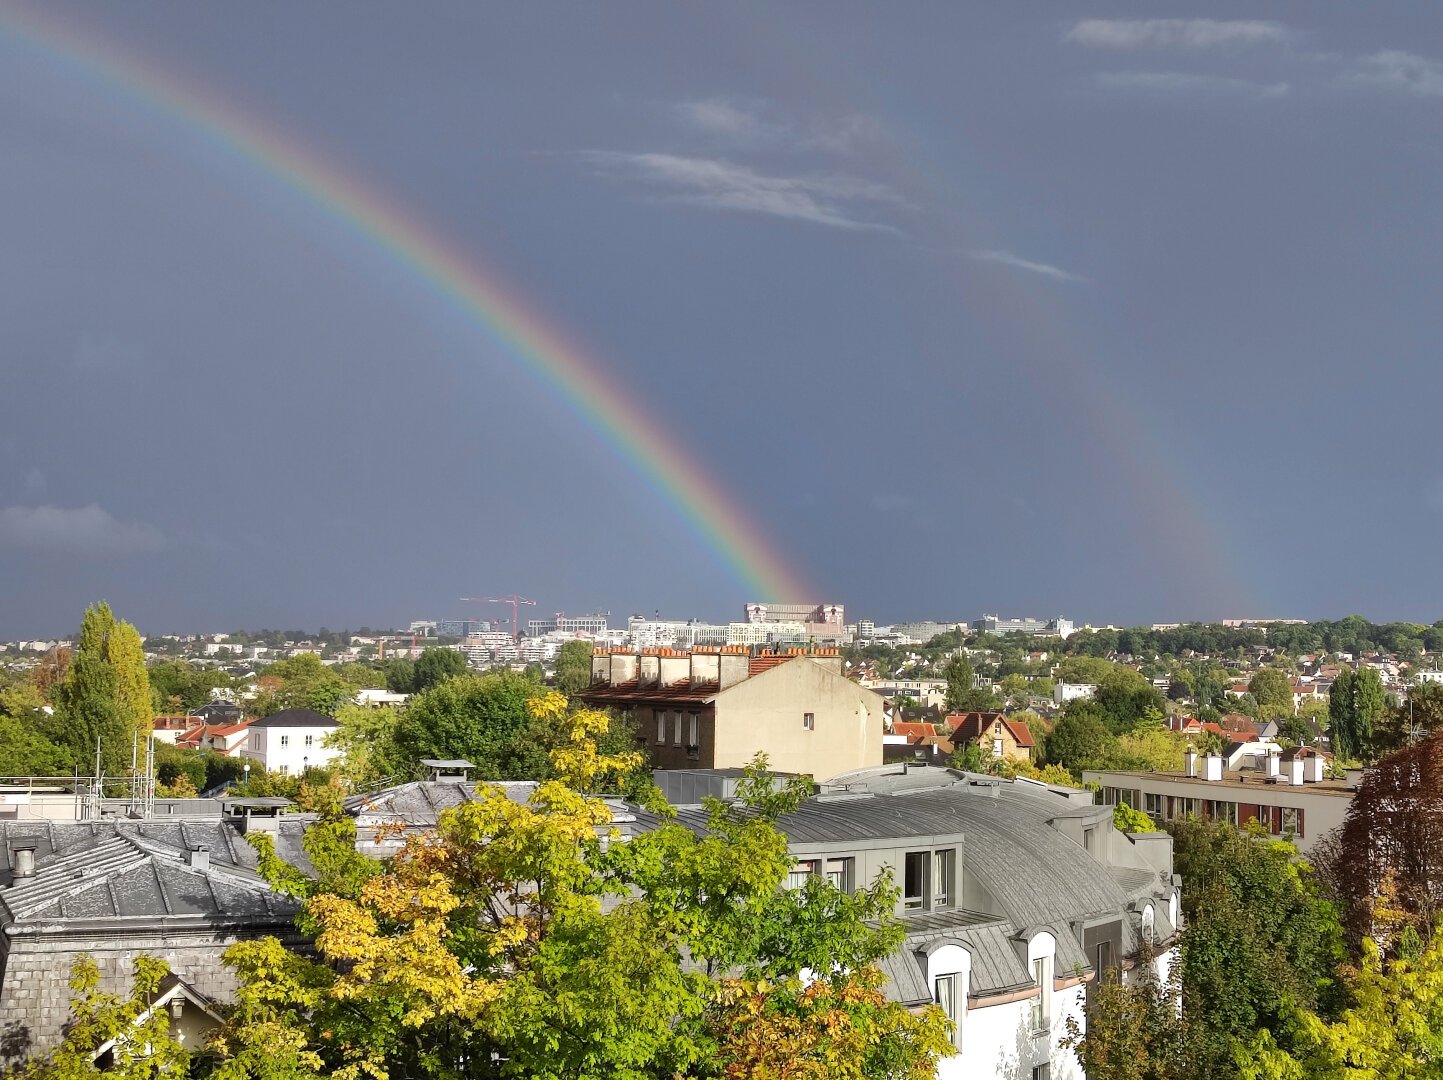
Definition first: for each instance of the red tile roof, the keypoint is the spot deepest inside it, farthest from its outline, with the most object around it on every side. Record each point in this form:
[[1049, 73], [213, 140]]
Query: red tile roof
[[969, 727], [912, 728]]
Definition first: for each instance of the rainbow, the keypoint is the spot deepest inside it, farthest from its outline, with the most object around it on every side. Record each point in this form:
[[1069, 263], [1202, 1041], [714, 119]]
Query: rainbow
[[535, 341]]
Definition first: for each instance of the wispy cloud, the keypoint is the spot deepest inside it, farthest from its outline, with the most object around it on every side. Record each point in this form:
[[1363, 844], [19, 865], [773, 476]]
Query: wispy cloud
[[1394, 69], [1017, 262], [1183, 82], [752, 122], [82, 530], [1177, 33], [835, 201]]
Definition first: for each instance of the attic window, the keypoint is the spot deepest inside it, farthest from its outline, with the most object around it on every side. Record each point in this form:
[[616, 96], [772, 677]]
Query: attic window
[[809, 721]]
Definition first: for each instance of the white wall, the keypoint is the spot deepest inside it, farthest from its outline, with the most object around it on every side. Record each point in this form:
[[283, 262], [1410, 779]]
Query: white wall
[[285, 749]]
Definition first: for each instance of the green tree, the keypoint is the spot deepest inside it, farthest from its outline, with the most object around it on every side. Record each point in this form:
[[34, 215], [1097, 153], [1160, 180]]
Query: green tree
[[958, 672], [1081, 739], [90, 702], [371, 751], [1356, 704], [1271, 688], [1126, 819], [400, 675], [1262, 941], [126, 656], [573, 666], [1392, 1029], [436, 666], [301, 682], [25, 751], [481, 718], [1126, 699], [1133, 1031]]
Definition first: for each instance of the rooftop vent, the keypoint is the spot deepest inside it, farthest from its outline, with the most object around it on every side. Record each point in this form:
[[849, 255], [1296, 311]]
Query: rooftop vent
[[198, 858], [24, 862]]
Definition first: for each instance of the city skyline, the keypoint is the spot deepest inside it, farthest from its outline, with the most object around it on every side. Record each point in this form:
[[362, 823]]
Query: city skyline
[[974, 310]]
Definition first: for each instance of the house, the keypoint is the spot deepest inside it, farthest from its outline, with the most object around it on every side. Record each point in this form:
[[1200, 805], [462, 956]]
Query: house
[[225, 739], [168, 729], [1063, 692], [115, 889], [1015, 897], [291, 741], [998, 736], [375, 699], [719, 707]]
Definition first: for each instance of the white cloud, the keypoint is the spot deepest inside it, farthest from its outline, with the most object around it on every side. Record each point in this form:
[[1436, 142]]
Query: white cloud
[[1017, 262], [1177, 33], [1183, 82], [723, 185], [84, 530], [757, 123], [1398, 70]]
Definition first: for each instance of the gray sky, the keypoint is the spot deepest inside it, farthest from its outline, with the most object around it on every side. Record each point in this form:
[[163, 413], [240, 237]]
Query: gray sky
[[1031, 308]]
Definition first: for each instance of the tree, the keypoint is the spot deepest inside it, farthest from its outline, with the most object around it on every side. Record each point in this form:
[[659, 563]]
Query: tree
[[400, 675], [573, 666], [1127, 699], [482, 719], [1392, 1030], [301, 682], [93, 707], [142, 1046], [1080, 740], [369, 742], [959, 674], [1393, 834], [1262, 940], [124, 653], [1126, 819], [1132, 1031], [436, 666], [1356, 704], [1271, 688], [515, 941], [24, 751]]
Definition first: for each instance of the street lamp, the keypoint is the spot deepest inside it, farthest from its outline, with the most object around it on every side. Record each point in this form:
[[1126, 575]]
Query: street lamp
[[246, 769]]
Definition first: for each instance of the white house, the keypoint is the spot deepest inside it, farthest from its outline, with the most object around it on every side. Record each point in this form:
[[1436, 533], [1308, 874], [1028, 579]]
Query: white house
[[1063, 692], [291, 741]]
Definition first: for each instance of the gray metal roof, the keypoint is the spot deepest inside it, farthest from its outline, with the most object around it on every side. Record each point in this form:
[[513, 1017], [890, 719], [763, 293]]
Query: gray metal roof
[[418, 804], [105, 870]]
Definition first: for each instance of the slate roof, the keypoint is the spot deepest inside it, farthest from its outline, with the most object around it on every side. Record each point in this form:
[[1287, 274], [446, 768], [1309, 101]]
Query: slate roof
[[106, 870], [418, 804], [296, 718]]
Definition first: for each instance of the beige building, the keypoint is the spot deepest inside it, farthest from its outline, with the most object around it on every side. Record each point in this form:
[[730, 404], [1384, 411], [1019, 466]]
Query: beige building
[[717, 708]]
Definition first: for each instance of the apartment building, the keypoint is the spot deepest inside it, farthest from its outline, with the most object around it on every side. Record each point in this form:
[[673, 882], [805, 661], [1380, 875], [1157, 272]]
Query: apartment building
[[1285, 791], [718, 708]]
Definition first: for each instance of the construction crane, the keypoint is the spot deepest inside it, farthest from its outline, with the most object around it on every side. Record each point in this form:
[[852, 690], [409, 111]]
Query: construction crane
[[515, 602]]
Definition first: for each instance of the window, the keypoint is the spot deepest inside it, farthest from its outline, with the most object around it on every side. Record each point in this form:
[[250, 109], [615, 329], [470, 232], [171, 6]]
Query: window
[[676, 731], [945, 863], [996, 747], [1042, 1072], [914, 880], [839, 873], [283, 769], [693, 732], [1153, 805], [804, 869], [310, 739], [1149, 925], [660, 727], [1104, 958], [809, 721], [1042, 1007], [285, 740], [1292, 821], [1088, 838], [944, 993]]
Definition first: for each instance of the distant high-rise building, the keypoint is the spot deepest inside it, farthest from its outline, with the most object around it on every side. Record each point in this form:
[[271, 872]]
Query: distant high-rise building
[[593, 625], [822, 622], [461, 627], [995, 624]]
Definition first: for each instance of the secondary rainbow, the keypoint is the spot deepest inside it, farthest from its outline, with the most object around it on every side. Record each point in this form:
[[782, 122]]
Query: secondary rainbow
[[537, 342]]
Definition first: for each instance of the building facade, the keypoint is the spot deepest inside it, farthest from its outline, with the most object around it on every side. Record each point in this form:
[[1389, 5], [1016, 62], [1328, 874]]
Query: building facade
[[718, 708], [291, 741]]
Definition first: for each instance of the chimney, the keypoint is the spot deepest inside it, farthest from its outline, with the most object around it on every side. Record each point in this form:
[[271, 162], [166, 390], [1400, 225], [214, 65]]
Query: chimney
[[1212, 767], [1272, 763], [1190, 758], [1295, 771], [1314, 768], [24, 862], [198, 858]]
